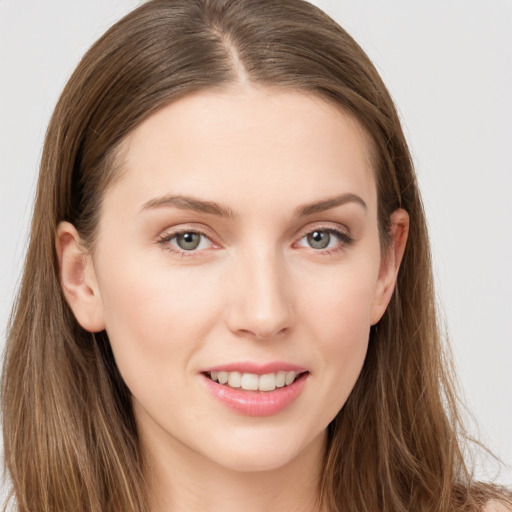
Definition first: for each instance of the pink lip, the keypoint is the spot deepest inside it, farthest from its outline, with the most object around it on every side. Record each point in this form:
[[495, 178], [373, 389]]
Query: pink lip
[[256, 403], [257, 368]]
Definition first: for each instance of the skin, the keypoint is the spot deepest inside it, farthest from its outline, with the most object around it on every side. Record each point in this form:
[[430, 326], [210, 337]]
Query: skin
[[254, 289]]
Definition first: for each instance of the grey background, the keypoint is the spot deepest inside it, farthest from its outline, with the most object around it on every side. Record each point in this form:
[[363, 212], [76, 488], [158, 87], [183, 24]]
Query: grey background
[[447, 63]]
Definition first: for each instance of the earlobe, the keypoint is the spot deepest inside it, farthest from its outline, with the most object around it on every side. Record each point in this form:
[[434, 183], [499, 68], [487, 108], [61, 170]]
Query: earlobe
[[390, 264], [78, 279]]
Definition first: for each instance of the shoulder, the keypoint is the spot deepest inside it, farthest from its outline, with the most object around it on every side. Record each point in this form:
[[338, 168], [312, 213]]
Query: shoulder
[[496, 506]]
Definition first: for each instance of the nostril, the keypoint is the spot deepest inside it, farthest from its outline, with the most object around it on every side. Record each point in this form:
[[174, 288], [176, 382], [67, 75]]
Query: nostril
[[264, 334]]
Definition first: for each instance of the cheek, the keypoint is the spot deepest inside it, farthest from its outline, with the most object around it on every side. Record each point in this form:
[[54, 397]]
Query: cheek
[[155, 315], [339, 301], [342, 326], [338, 321]]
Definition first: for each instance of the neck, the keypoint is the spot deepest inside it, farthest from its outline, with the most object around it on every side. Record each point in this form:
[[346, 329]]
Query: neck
[[184, 481]]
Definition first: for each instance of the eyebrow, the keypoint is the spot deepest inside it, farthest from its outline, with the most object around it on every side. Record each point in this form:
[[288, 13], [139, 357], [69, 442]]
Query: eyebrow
[[212, 208], [327, 204], [188, 203]]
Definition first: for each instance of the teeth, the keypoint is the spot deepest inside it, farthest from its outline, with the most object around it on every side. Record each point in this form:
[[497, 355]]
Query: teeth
[[280, 379], [249, 382], [253, 382], [290, 377], [267, 382], [234, 379]]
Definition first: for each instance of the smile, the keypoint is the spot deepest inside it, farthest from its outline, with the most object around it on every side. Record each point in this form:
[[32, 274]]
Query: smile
[[265, 393], [254, 382]]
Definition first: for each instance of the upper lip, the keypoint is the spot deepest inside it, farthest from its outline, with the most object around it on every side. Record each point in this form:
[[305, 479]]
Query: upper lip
[[256, 368]]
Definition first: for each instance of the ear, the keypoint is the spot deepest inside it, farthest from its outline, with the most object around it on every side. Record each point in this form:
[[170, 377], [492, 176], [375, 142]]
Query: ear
[[78, 279], [390, 264]]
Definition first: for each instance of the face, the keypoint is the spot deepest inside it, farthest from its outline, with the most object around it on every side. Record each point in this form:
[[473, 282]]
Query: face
[[240, 242]]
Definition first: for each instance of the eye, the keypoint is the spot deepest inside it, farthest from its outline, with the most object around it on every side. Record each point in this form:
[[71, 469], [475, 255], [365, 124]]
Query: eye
[[186, 241], [319, 239], [325, 239]]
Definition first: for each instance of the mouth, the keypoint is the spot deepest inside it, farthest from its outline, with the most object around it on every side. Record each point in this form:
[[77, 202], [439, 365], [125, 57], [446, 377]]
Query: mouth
[[259, 390], [254, 382]]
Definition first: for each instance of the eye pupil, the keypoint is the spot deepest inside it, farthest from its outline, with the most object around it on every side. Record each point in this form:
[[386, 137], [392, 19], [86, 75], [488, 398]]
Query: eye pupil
[[188, 241], [319, 239]]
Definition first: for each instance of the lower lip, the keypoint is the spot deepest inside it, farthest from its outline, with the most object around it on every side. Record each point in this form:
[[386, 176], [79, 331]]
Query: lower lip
[[257, 403]]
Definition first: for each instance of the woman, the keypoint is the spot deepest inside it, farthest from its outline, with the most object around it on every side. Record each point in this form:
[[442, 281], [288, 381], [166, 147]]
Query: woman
[[234, 303]]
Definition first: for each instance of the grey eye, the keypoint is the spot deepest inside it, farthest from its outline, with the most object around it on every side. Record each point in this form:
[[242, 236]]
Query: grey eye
[[318, 239], [188, 241]]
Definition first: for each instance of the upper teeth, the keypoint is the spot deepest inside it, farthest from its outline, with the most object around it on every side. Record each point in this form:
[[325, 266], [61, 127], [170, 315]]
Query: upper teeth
[[253, 382]]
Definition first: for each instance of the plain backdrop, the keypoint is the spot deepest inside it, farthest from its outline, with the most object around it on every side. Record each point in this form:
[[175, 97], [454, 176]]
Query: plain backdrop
[[448, 65]]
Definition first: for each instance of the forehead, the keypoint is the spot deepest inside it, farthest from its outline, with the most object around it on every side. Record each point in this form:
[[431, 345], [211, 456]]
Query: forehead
[[246, 144]]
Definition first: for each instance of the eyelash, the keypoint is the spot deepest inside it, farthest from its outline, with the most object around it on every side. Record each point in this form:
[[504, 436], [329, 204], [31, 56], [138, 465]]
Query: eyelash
[[165, 240], [345, 239]]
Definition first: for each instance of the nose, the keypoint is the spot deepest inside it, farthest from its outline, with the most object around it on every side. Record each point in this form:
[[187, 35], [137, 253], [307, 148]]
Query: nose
[[261, 298]]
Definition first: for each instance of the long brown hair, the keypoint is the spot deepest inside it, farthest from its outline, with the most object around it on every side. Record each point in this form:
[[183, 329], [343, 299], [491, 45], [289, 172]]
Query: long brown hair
[[69, 433]]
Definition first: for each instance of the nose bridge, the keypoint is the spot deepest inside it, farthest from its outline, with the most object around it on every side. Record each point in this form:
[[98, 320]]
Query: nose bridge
[[262, 302]]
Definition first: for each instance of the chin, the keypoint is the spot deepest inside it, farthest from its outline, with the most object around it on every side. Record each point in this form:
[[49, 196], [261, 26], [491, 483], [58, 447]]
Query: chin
[[267, 453], [252, 463]]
